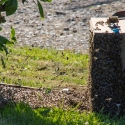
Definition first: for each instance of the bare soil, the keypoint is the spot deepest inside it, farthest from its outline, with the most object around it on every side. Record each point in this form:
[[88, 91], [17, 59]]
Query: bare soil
[[71, 96]]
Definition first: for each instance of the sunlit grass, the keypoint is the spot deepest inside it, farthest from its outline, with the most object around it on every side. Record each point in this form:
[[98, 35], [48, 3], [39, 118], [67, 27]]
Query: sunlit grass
[[44, 67], [48, 68]]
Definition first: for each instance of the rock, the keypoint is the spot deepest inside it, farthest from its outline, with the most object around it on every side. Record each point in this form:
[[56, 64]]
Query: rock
[[74, 30], [16, 22], [60, 13], [82, 24], [66, 29], [61, 34], [70, 20], [66, 90], [87, 123]]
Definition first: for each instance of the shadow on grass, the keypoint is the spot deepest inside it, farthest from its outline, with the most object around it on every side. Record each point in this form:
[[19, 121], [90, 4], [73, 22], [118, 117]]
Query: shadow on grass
[[107, 120], [22, 114]]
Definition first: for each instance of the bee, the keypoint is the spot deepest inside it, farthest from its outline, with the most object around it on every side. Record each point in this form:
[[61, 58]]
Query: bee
[[98, 10], [112, 20], [109, 99], [106, 31], [97, 28], [100, 22]]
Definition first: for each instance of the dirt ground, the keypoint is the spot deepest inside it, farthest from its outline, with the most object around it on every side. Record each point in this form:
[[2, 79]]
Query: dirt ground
[[70, 96]]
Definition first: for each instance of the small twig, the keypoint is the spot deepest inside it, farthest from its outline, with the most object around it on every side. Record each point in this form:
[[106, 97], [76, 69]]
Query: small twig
[[17, 86]]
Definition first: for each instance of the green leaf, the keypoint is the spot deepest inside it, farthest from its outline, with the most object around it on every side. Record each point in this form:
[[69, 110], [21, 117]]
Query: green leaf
[[11, 7], [0, 28], [3, 47], [49, 0], [3, 40], [12, 35], [3, 1], [46, 0], [40, 9], [3, 62]]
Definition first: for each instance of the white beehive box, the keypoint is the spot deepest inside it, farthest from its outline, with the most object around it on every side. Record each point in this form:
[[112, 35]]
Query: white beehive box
[[100, 29]]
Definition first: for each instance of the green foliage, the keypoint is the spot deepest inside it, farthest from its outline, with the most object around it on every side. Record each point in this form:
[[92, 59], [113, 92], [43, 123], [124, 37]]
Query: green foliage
[[12, 35], [49, 68], [3, 1], [3, 62], [3, 45], [10, 7], [3, 40], [22, 114], [40, 9]]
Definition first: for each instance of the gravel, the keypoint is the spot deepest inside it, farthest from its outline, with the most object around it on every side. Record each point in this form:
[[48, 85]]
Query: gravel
[[66, 24], [44, 97]]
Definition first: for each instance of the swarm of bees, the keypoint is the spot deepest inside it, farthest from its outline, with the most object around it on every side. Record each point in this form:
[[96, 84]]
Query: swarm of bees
[[112, 22], [113, 19], [106, 79], [99, 23]]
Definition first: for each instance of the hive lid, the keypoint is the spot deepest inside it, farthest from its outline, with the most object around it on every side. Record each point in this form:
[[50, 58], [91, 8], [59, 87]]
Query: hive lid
[[98, 28], [120, 14]]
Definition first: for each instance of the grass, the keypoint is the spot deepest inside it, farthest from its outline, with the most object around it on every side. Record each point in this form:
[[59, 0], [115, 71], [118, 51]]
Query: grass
[[48, 68], [21, 114], [42, 67]]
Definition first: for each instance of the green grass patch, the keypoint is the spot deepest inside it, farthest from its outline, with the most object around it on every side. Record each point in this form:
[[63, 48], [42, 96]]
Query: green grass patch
[[44, 67], [21, 114], [47, 68]]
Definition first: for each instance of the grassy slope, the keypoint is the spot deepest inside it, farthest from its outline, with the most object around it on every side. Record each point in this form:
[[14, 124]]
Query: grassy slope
[[48, 68], [41, 67]]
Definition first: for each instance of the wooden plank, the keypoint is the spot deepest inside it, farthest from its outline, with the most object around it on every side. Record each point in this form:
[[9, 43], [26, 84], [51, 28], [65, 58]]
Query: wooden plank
[[17, 86]]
